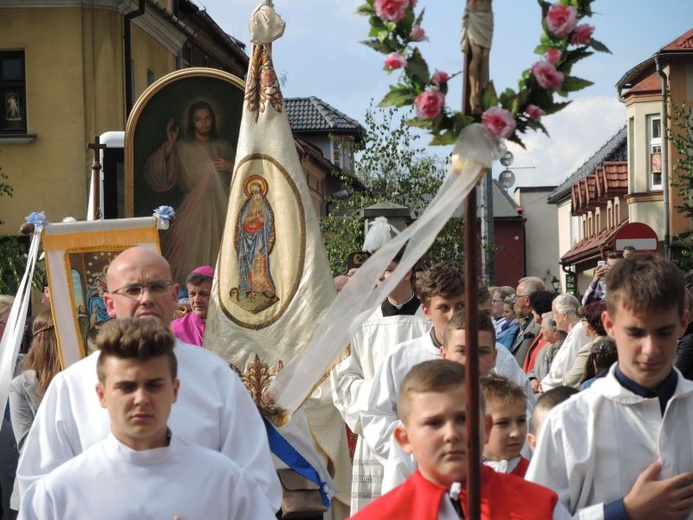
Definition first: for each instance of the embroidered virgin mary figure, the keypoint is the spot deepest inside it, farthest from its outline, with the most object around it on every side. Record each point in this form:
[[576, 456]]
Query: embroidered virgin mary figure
[[254, 241]]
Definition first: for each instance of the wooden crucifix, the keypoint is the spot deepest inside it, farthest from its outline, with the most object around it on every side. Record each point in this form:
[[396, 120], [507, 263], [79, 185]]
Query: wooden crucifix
[[96, 178], [477, 31]]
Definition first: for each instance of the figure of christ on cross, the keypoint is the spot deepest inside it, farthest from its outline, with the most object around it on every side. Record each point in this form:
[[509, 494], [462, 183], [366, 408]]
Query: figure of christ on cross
[[477, 33]]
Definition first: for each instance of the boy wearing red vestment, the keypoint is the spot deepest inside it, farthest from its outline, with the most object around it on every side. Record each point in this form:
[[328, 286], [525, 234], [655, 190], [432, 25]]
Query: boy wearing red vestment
[[431, 406]]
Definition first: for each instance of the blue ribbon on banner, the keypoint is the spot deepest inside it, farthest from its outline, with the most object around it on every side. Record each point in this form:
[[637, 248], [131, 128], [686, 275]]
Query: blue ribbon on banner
[[292, 458]]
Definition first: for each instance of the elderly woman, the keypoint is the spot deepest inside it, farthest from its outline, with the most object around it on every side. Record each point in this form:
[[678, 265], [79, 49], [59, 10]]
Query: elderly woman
[[594, 328], [544, 356], [567, 314]]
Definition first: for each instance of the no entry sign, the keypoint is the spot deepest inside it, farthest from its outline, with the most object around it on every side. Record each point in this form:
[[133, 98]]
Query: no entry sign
[[641, 236]]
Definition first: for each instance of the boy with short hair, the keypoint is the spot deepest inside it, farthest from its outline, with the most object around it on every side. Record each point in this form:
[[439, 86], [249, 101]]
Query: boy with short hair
[[454, 342], [431, 404], [546, 402], [395, 321], [506, 405], [142, 469], [623, 448], [441, 291]]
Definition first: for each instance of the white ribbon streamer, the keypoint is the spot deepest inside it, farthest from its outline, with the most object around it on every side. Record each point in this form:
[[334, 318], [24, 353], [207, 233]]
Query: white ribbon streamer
[[14, 329], [473, 153]]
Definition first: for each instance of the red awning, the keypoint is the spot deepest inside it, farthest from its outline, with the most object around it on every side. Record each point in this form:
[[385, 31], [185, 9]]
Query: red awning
[[592, 247]]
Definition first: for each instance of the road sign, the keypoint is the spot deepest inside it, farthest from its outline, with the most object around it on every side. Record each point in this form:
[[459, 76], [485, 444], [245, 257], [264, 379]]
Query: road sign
[[641, 236]]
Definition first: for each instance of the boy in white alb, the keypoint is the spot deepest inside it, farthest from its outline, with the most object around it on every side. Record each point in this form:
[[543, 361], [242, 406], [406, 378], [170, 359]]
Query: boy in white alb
[[395, 321], [441, 290], [142, 469], [623, 448], [214, 408]]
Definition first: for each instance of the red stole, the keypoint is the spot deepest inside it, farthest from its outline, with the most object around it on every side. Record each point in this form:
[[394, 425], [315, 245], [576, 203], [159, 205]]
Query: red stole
[[502, 496], [521, 468]]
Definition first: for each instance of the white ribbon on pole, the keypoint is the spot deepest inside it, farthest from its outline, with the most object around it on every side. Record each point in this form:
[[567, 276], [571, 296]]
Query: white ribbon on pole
[[14, 329], [473, 153]]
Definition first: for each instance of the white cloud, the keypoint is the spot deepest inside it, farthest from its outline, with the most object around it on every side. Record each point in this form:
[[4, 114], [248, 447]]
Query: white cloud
[[577, 132]]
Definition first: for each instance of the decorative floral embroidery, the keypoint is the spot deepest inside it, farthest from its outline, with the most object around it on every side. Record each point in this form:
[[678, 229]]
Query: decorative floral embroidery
[[257, 378], [262, 84]]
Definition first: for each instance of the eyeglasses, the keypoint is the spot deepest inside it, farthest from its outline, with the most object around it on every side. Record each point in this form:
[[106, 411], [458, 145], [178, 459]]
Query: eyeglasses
[[135, 291], [497, 300]]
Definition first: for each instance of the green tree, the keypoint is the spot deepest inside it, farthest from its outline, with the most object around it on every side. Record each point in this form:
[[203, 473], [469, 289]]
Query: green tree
[[389, 168], [13, 256], [680, 135]]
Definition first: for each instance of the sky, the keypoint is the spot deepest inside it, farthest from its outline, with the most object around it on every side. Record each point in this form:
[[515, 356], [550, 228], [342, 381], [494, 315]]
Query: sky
[[321, 55]]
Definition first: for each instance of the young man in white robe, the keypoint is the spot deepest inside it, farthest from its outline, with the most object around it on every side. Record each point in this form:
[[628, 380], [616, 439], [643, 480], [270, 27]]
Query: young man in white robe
[[143, 469], [214, 408], [395, 321], [623, 448], [441, 290]]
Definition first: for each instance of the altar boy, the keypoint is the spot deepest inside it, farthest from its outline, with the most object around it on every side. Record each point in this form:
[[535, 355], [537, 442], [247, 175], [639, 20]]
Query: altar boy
[[142, 469], [623, 448], [431, 406]]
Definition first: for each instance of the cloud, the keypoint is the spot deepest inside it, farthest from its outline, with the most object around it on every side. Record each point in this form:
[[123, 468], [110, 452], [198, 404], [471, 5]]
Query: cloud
[[577, 132]]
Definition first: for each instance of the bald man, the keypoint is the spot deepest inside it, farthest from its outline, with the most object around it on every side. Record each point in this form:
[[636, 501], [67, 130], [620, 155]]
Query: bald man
[[214, 409]]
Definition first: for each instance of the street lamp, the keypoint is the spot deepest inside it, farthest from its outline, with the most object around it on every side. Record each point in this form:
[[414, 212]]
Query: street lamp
[[555, 283]]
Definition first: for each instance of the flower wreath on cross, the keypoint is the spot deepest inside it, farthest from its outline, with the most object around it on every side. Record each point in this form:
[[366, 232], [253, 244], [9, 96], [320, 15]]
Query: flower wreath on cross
[[395, 28]]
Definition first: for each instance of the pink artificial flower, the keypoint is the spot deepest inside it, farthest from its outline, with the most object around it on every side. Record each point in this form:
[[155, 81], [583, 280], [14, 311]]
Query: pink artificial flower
[[394, 61], [534, 112], [582, 34], [439, 78], [547, 76], [429, 104], [499, 123], [561, 20], [553, 56], [417, 34], [391, 10]]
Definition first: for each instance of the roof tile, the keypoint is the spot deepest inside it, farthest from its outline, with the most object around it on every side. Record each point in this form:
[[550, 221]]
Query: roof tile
[[314, 115]]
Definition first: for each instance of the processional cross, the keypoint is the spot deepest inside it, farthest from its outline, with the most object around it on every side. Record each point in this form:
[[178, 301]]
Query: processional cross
[[477, 32], [97, 146]]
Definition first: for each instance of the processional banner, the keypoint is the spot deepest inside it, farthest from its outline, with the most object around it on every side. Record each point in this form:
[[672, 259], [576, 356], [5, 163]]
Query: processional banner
[[273, 280], [77, 258]]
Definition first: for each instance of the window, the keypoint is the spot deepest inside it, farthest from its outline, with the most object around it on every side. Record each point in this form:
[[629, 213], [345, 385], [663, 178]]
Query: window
[[12, 92], [654, 166]]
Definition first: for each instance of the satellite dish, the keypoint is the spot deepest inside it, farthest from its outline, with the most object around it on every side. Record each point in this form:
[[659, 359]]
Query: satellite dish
[[506, 179], [507, 159]]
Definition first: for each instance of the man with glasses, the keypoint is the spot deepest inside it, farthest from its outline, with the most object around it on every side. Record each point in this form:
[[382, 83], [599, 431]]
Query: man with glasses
[[523, 308], [214, 409]]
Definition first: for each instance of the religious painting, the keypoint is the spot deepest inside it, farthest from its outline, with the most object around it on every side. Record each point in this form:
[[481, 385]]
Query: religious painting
[[261, 259], [88, 277], [77, 258], [180, 146]]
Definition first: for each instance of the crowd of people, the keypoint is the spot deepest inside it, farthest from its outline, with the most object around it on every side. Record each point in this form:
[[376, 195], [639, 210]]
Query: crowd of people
[[583, 411]]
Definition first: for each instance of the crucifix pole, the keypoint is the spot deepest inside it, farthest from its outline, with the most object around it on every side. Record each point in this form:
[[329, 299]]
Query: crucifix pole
[[96, 178], [477, 28]]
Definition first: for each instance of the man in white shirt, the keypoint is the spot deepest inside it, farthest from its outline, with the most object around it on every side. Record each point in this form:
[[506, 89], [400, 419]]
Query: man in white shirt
[[142, 469], [214, 409]]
